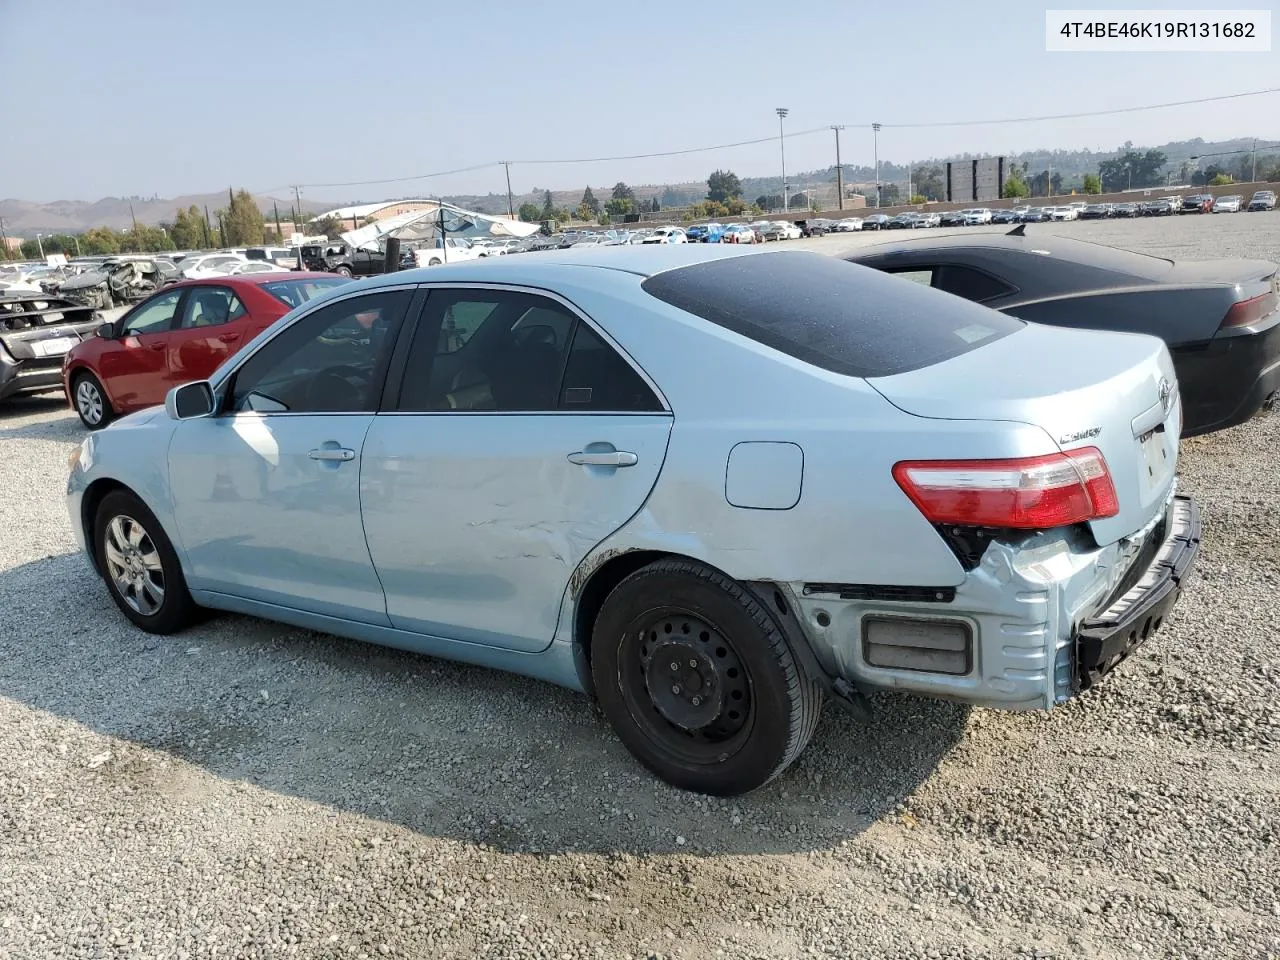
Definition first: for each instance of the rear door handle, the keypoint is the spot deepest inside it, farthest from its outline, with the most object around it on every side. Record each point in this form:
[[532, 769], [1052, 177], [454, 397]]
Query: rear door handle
[[229, 337], [611, 458], [332, 453]]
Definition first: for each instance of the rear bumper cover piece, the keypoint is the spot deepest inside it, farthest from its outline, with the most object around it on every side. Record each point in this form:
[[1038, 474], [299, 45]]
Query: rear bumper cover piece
[[1106, 640]]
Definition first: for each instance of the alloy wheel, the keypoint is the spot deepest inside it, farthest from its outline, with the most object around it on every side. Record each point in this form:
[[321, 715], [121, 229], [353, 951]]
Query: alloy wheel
[[89, 401], [134, 565]]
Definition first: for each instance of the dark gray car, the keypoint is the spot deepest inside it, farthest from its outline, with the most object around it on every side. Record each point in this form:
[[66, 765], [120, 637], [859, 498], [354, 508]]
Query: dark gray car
[[1220, 318]]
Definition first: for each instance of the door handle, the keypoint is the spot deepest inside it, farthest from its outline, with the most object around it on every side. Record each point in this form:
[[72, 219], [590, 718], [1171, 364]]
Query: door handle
[[332, 453], [157, 346], [611, 458], [229, 337]]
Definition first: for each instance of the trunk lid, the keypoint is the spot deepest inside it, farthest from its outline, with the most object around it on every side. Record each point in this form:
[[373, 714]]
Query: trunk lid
[[1113, 391], [43, 327]]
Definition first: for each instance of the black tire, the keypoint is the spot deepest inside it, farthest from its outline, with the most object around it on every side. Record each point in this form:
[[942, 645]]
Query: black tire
[[84, 388], [343, 271], [433, 262], [758, 706], [175, 609]]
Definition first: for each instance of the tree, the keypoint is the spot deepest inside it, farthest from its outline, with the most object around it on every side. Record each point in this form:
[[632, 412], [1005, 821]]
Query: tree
[[187, 230], [1092, 184], [723, 185], [548, 206], [1040, 185], [769, 201], [654, 205], [590, 202], [619, 207], [584, 212], [331, 227], [622, 192], [1015, 187], [930, 182], [735, 206], [242, 221], [530, 213], [1131, 168], [1221, 180], [99, 240], [890, 194]]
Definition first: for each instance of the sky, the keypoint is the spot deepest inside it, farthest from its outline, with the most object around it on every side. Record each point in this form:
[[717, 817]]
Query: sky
[[137, 97]]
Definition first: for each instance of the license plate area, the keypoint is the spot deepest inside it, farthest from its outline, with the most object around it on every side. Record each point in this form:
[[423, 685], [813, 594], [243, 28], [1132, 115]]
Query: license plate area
[[55, 347], [1155, 458]]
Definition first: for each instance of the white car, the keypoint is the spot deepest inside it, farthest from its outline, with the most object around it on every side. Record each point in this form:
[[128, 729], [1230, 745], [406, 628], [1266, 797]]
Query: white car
[[1061, 213], [208, 265], [667, 235], [456, 251], [976, 216], [250, 266], [847, 225], [1078, 206], [788, 230], [1231, 204]]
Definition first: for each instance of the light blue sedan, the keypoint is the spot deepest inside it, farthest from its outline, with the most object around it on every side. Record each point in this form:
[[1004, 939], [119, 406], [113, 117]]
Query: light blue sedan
[[710, 485]]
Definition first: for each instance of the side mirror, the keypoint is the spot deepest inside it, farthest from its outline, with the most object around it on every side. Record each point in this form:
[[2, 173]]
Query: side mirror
[[107, 331], [189, 401]]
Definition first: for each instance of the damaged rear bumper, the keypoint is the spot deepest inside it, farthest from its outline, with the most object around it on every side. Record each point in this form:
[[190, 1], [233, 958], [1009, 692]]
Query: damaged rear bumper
[[1034, 624]]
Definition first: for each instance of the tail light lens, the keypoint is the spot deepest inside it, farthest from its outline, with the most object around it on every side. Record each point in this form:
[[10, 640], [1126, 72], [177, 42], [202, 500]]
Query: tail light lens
[[1031, 493], [1245, 312]]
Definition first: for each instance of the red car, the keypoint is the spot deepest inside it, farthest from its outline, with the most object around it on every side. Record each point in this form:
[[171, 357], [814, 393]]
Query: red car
[[178, 334]]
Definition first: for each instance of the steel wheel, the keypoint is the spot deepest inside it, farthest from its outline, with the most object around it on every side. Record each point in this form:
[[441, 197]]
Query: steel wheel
[[685, 684], [134, 565], [89, 401]]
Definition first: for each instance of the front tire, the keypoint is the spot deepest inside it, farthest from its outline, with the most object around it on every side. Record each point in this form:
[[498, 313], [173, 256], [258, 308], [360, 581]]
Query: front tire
[[343, 271], [139, 565], [698, 680], [91, 401]]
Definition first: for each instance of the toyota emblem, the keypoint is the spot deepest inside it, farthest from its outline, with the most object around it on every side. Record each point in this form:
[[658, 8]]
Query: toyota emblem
[[1166, 391]]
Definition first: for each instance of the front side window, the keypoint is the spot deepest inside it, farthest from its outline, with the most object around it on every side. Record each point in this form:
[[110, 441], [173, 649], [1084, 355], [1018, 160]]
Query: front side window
[[295, 293], [210, 307], [154, 316], [331, 361]]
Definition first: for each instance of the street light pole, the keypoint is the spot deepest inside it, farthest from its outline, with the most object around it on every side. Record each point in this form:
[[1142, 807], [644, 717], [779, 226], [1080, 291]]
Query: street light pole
[[511, 212], [875, 149], [782, 146], [839, 169]]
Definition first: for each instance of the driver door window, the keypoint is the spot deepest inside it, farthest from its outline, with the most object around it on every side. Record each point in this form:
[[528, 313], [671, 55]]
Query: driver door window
[[154, 316], [331, 361]]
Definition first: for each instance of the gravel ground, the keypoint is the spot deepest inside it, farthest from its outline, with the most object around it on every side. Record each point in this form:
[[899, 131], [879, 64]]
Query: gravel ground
[[252, 790]]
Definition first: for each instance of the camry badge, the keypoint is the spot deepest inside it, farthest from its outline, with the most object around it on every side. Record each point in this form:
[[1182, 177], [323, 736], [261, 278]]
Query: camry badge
[[1079, 435]]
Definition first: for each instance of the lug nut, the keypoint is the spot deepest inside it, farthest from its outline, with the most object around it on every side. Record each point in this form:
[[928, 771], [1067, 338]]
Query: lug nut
[[676, 689], [696, 701], [675, 667], [694, 664]]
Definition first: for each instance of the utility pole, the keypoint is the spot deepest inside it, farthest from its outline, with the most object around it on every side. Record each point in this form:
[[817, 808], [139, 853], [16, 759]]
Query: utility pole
[[782, 145], [511, 210], [40, 245], [839, 169], [1253, 177], [208, 229], [136, 239], [297, 219], [875, 148], [4, 242], [275, 207]]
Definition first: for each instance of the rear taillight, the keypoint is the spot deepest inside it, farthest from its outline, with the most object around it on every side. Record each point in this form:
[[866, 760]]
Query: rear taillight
[[1031, 493], [1245, 312]]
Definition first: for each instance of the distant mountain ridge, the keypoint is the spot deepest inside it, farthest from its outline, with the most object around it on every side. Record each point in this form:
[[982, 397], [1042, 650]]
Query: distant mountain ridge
[[24, 218]]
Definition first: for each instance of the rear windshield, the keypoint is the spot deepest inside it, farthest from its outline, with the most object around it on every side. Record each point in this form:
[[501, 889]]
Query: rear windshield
[[835, 315], [297, 292]]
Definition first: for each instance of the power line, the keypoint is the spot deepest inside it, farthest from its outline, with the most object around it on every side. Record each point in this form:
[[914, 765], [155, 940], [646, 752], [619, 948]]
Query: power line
[[678, 153], [1086, 113], [799, 133]]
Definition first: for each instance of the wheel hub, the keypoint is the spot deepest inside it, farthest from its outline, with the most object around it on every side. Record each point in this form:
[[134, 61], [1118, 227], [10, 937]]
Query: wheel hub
[[684, 683]]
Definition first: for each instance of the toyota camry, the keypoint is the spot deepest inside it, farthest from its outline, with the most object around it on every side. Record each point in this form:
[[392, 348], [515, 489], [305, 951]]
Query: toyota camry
[[709, 485]]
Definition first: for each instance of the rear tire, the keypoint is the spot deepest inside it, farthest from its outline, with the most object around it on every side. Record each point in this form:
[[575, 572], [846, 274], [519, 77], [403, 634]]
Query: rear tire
[[343, 271], [90, 401], [698, 680], [139, 565]]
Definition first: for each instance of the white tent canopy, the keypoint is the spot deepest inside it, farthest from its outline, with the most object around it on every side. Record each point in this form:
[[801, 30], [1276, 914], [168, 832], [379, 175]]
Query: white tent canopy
[[425, 225]]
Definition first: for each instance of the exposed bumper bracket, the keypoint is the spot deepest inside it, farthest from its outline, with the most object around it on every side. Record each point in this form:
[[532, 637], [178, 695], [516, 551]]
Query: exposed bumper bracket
[[1105, 641]]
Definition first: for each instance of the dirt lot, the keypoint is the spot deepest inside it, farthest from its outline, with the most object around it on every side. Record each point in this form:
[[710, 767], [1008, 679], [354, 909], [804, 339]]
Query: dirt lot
[[246, 789]]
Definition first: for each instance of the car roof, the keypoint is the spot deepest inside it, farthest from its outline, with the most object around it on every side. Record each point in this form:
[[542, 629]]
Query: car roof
[[642, 261], [254, 279]]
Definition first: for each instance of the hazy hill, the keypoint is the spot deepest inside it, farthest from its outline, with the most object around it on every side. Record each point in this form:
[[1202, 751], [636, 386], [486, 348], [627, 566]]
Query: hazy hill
[[24, 219]]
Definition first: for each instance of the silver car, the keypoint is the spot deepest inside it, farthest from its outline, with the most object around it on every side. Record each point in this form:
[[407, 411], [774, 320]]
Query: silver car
[[709, 485]]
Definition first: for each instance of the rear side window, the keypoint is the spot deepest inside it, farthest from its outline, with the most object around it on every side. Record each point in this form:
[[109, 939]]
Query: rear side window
[[832, 314]]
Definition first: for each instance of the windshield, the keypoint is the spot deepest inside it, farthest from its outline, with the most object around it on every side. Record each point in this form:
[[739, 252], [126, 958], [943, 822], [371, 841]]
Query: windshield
[[297, 292]]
